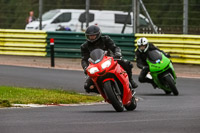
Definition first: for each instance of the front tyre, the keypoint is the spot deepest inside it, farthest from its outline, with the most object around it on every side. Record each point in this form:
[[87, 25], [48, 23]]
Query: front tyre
[[167, 92], [171, 85], [113, 95]]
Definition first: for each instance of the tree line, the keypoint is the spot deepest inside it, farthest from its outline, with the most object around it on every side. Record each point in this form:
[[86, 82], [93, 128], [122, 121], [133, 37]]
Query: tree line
[[13, 13]]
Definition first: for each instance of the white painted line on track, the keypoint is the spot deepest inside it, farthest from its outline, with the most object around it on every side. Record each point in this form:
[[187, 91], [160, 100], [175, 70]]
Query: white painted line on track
[[52, 105]]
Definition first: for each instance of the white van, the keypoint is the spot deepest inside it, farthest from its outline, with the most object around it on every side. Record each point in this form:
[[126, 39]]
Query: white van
[[108, 21]]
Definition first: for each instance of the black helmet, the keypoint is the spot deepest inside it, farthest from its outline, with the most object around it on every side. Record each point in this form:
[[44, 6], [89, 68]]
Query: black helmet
[[93, 30]]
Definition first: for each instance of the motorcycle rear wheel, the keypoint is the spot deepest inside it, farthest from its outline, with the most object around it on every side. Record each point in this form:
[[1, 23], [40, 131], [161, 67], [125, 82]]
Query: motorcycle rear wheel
[[172, 85], [132, 105], [113, 96]]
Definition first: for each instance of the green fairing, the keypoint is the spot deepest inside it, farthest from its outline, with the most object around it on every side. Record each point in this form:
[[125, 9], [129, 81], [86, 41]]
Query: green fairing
[[159, 68]]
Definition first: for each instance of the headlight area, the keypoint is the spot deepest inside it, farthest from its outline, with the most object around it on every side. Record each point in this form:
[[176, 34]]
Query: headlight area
[[93, 70], [106, 64]]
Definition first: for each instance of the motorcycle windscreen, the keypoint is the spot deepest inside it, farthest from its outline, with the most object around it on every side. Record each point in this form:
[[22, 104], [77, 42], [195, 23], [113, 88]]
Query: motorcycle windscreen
[[154, 56], [97, 55]]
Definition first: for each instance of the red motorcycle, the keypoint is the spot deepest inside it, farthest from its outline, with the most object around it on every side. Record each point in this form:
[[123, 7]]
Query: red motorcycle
[[111, 81]]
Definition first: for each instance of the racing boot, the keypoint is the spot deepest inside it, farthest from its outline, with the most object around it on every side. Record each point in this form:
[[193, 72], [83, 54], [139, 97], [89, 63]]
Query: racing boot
[[130, 76], [133, 83], [128, 68], [148, 80], [154, 84]]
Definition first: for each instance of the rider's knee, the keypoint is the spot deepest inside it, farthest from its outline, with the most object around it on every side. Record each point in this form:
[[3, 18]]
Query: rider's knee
[[128, 63], [90, 87]]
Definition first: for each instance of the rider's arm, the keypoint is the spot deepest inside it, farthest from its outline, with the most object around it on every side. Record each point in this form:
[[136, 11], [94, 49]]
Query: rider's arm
[[85, 54], [153, 47], [139, 60], [111, 45]]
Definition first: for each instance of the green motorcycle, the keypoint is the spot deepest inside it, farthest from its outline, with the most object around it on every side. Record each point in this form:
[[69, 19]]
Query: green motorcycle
[[162, 71]]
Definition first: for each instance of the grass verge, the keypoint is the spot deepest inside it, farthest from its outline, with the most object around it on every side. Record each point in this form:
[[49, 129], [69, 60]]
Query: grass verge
[[16, 95]]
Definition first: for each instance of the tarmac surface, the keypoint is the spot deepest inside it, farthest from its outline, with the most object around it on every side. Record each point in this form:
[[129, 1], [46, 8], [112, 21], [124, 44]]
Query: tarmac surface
[[155, 113], [182, 70]]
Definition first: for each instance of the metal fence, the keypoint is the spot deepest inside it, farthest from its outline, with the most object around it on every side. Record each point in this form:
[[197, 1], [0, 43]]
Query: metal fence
[[167, 15], [21, 42], [67, 44], [182, 48]]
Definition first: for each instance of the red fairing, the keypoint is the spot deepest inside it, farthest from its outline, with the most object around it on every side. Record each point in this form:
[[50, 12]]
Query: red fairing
[[104, 74]]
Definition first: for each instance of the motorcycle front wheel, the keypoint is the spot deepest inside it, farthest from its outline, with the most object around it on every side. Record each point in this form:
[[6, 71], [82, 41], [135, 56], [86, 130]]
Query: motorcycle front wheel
[[113, 95], [171, 85]]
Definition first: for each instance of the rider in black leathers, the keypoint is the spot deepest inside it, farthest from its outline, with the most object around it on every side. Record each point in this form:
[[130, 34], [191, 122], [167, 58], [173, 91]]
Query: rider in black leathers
[[96, 40], [141, 55]]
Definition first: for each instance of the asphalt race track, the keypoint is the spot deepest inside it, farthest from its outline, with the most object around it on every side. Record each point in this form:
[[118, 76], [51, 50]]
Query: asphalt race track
[[156, 112], [41, 78]]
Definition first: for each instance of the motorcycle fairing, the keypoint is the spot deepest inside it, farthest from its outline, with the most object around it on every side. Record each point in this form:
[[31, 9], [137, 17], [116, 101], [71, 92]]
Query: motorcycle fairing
[[118, 74], [159, 67]]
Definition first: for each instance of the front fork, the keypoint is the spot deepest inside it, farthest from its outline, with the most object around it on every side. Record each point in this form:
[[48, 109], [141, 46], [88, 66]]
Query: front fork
[[117, 90], [166, 75]]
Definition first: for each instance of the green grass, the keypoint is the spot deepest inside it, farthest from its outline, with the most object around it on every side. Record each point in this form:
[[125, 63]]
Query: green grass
[[16, 95]]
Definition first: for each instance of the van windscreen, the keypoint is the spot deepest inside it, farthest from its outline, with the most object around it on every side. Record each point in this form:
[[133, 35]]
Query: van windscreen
[[49, 15], [122, 18]]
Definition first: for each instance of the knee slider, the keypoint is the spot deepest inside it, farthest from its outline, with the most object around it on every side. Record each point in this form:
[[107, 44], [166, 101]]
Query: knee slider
[[86, 87]]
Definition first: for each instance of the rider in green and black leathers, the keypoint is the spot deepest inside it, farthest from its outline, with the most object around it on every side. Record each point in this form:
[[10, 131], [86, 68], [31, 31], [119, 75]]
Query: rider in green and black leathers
[[96, 40], [141, 55]]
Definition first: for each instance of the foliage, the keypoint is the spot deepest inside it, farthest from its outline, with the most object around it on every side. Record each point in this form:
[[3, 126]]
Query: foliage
[[170, 12], [164, 13]]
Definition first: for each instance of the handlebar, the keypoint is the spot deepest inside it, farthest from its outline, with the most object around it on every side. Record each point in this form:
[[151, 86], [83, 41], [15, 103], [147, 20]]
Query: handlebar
[[116, 59]]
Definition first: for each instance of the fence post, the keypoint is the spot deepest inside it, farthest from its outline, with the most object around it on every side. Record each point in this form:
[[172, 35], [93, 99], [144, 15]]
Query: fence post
[[40, 13], [185, 17], [52, 52]]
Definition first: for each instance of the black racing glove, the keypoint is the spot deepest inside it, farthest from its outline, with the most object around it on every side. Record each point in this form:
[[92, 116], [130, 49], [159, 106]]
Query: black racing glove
[[167, 55], [117, 55]]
